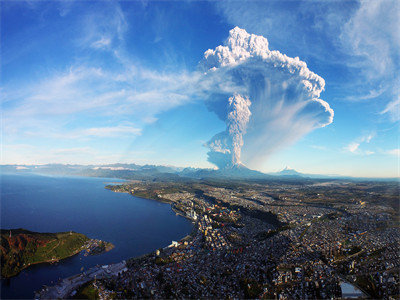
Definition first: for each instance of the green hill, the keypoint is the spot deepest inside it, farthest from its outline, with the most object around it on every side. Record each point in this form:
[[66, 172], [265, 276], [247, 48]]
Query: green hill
[[23, 248]]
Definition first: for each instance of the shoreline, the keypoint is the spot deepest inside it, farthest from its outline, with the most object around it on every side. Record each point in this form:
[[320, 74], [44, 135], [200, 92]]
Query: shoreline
[[40, 262], [108, 248], [64, 288]]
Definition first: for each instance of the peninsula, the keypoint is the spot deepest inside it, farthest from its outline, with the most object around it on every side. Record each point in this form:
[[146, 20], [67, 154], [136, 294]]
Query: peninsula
[[21, 248]]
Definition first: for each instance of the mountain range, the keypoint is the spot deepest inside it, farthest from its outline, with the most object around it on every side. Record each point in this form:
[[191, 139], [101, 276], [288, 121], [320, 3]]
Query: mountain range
[[165, 173]]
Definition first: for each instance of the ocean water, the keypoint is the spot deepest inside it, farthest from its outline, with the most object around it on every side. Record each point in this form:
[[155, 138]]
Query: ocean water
[[52, 204]]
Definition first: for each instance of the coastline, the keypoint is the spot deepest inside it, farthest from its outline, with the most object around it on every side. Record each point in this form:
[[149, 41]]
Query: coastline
[[43, 272], [90, 246], [161, 200], [51, 261], [67, 285]]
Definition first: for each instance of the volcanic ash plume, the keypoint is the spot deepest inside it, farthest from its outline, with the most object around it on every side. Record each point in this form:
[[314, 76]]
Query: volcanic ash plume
[[231, 140], [267, 99]]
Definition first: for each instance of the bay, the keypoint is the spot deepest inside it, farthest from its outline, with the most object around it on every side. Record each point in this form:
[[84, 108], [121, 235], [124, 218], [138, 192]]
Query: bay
[[53, 204]]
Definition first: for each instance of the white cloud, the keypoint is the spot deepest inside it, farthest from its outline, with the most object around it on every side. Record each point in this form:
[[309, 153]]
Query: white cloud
[[116, 131], [103, 27], [395, 152], [44, 108], [28, 154], [354, 147], [368, 138], [393, 109], [372, 94], [104, 42], [119, 131], [61, 93], [72, 151], [318, 147]]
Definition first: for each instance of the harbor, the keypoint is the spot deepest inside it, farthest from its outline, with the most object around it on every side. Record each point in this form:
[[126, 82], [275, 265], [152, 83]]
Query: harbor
[[68, 286]]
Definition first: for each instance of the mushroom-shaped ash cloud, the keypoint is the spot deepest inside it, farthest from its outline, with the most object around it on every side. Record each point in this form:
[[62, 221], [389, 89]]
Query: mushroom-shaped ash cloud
[[267, 99]]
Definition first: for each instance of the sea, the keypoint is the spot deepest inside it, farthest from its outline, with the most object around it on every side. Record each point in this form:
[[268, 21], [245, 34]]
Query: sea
[[135, 226]]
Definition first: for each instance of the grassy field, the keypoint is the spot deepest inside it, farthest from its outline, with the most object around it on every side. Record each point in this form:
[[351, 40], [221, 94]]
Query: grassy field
[[24, 248]]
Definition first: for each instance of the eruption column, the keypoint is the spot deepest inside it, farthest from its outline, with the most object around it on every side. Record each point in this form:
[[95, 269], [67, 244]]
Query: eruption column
[[237, 120]]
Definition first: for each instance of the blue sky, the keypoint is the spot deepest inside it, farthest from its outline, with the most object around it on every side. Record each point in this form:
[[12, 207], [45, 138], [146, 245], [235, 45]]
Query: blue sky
[[95, 82]]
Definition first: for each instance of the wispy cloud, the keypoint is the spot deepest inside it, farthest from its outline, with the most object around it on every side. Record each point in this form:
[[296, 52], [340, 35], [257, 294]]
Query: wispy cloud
[[372, 94], [372, 34], [21, 154], [318, 147], [393, 109], [29, 154], [43, 107], [108, 33], [103, 42], [354, 146], [116, 131], [72, 151], [119, 131], [395, 152]]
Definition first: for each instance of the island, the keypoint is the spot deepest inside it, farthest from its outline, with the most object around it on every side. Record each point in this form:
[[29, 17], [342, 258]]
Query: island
[[21, 248]]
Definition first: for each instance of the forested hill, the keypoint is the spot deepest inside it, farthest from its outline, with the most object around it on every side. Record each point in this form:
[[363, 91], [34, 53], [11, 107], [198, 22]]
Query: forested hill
[[21, 248]]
